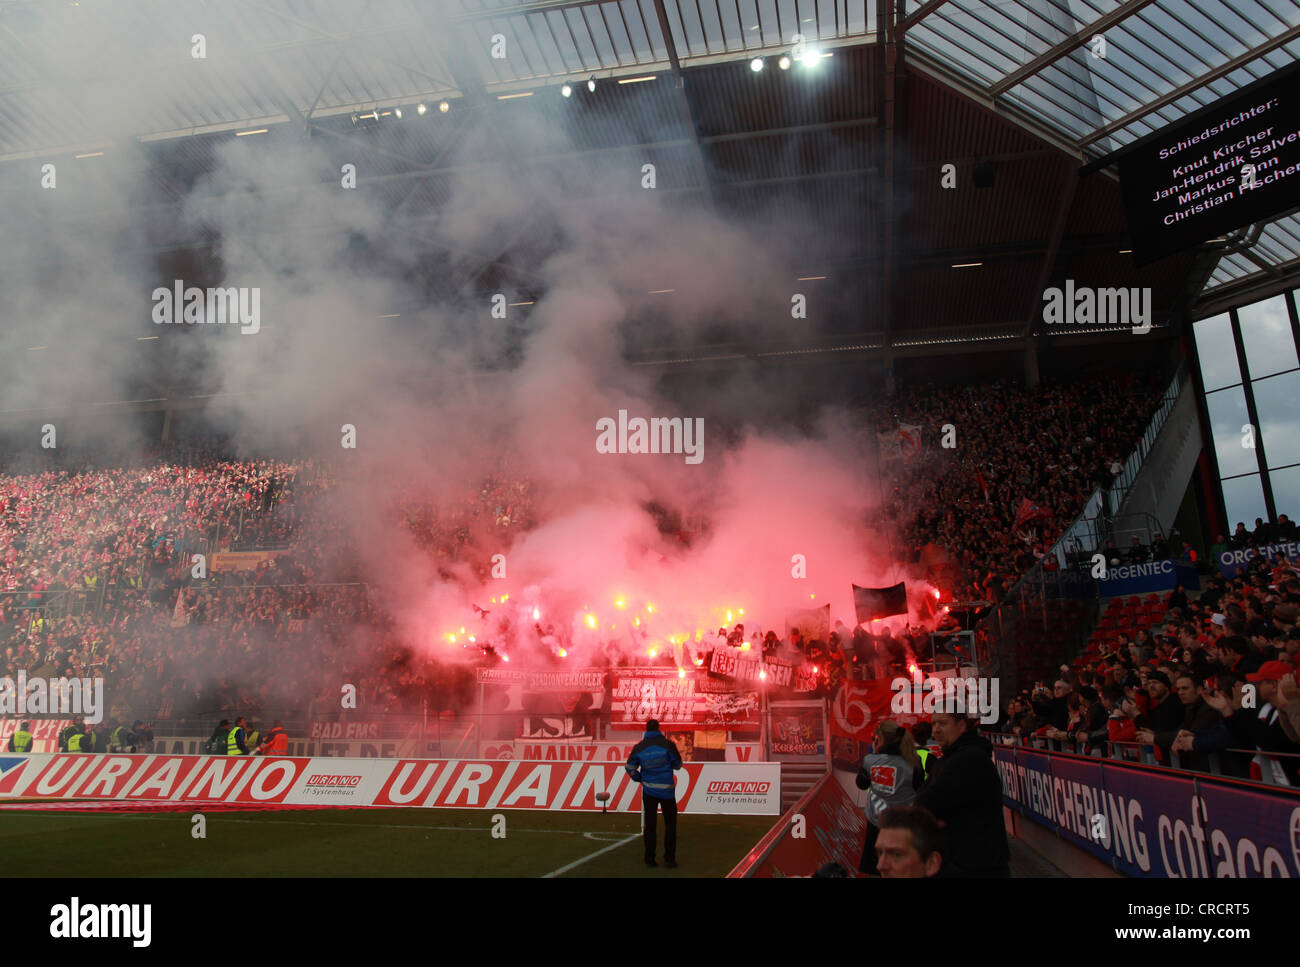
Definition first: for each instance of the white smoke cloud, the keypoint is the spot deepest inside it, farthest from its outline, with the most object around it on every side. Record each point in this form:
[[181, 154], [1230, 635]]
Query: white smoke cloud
[[433, 407]]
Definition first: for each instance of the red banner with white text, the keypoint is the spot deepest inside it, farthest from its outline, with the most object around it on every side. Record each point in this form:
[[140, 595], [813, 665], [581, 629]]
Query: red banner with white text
[[727, 788], [678, 700], [45, 732], [858, 708]]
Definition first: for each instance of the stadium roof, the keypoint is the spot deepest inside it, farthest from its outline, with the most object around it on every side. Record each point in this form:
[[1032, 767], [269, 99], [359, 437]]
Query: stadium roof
[[736, 138]]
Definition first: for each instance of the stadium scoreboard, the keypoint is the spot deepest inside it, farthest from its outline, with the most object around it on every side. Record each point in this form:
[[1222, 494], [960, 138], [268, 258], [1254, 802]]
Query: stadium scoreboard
[[1226, 166]]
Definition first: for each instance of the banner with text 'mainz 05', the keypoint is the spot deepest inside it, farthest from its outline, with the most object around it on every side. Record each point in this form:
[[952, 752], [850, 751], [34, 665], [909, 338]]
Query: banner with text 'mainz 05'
[[727, 788], [1147, 823]]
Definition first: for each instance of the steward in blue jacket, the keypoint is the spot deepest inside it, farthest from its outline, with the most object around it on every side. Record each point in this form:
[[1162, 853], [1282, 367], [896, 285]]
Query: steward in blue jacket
[[652, 764]]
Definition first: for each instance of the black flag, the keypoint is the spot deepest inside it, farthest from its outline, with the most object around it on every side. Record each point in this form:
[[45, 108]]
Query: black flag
[[872, 603]]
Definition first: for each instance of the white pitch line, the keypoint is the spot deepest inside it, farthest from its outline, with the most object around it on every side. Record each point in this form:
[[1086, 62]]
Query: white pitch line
[[453, 829], [298, 822], [592, 856]]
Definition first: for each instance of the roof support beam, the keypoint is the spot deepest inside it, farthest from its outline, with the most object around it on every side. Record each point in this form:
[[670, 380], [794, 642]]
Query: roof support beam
[[453, 46], [1197, 82], [921, 13], [936, 69], [1071, 174], [1122, 12], [518, 9], [684, 113], [891, 29], [1253, 288]]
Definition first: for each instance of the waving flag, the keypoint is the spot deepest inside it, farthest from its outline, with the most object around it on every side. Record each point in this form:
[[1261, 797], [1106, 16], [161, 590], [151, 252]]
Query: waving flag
[[909, 435], [1028, 511], [813, 623], [872, 603], [904, 441]]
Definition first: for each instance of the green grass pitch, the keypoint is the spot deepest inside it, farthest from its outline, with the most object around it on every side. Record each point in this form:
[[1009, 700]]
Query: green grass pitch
[[363, 842]]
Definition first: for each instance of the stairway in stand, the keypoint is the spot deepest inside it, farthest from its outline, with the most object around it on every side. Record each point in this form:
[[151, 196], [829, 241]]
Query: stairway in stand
[[797, 778]]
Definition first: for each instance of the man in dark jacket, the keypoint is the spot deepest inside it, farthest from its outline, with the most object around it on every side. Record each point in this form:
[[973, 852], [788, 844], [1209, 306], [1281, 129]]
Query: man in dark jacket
[[964, 792], [1096, 729], [1202, 730], [652, 764], [1166, 712], [217, 743]]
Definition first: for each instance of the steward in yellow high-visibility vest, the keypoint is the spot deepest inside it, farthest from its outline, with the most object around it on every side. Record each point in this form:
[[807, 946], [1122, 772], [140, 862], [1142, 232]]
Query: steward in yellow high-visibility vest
[[21, 741], [66, 735], [74, 742], [235, 740], [924, 754]]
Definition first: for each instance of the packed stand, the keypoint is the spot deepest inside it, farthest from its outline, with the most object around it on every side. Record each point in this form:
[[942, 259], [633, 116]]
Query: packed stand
[[1025, 464], [1208, 676]]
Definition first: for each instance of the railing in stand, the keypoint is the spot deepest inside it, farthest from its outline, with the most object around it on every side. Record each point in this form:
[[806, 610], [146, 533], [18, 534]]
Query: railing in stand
[[1140, 753]]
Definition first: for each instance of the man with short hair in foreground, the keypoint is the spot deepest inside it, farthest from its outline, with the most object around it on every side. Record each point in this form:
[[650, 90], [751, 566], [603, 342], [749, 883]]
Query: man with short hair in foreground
[[908, 843]]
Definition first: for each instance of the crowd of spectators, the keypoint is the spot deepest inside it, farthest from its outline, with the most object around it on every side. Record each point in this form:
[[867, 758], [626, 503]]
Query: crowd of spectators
[[502, 505], [1216, 677], [1263, 534], [1052, 446], [96, 579]]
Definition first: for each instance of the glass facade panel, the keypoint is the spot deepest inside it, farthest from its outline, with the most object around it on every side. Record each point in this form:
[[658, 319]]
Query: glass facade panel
[[1277, 401], [1244, 499], [1266, 333], [1227, 417], [1218, 354], [1272, 360], [1286, 491]]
